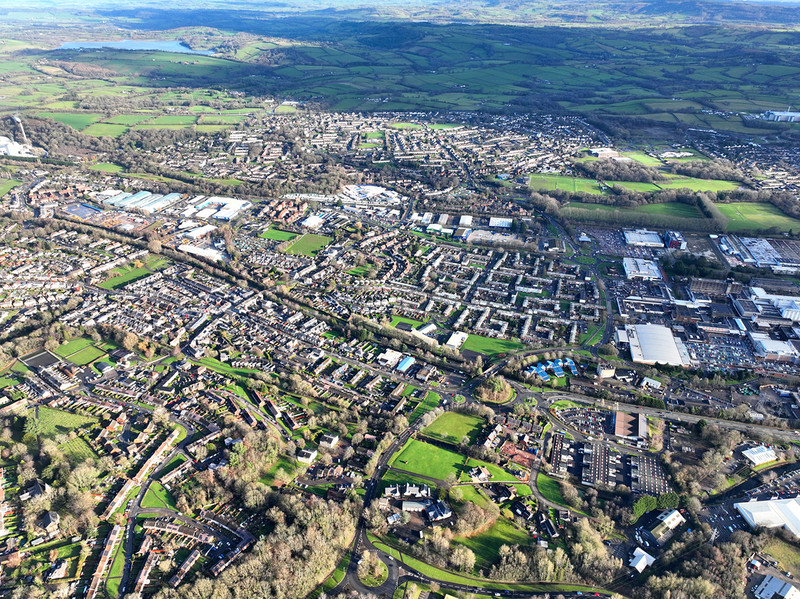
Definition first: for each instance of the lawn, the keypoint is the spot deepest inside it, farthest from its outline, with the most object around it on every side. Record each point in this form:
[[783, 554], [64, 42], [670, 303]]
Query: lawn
[[177, 119], [405, 126], [309, 244], [486, 545], [563, 404], [550, 489], [278, 235], [751, 216], [490, 346], [428, 460], [452, 427], [86, 356], [573, 184], [6, 186], [158, 497], [676, 209], [55, 422]]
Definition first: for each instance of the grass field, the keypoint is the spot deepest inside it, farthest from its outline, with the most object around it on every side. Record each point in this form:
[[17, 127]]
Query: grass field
[[426, 459], [430, 402], [747, 216], [550, 489], [86, 356], [486, 545], [129, 119], [573, 184], [76, 120], [158, 497], [309, 244], [398, 319], [107, 167], [405, 126], [72, 346], [786, 554], [563, 404], [78, 450], [490, 346], [55, 422], [130, 275], [7, 185], [452, 427], [278, 235], [105, 130]]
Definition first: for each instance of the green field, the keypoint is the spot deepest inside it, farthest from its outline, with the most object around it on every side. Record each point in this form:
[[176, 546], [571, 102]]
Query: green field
[[178, 119], [398, 319], [750, 216], [430, 402], [78, 450], [56, 422], [486, 545], [786, 554], [452, 427], [158, 497], [278, 235], [550, 489], [105, 130], [309, 244], [7, 185], [572, 184], [490, 346], [426, 459], [72, 346], [128, 273], [405, 126], [76, 120], [86, 356], [129, 119], [107, 167]]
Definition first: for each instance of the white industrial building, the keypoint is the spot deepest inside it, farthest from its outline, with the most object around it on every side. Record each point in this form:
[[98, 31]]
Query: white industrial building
[[500, 223], [773, 513], [655, 344], [783, 116], [465, 221], [643, 238], [773, 350], [775, 588], [640, 560], [638, 268], [760, 455]]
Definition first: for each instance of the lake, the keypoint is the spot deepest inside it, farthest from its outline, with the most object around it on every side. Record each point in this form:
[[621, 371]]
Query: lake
[[155, 45]]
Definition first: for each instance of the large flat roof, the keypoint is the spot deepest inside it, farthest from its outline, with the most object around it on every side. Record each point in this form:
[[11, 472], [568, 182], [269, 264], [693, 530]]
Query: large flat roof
[[774, 513], [653, 343]]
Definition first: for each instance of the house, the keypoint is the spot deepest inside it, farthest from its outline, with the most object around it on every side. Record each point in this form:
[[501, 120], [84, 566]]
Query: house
[[521, 510], [36, 489], [438, 510], [306, 456], [480, 474], [666, 522], [328, 441]]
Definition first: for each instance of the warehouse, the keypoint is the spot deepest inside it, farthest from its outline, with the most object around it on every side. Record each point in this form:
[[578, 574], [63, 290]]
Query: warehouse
[[643, 238], [760, 455], [637, 268], [500, 223], [655, 344], [774, 513]]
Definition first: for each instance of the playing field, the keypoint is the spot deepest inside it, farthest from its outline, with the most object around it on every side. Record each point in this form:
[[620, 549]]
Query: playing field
[[452, 427], [107, 167], [75, 345], [490, 346], [677, 209], [571, 184], [278, 235], [428, 460], [751, 216], [309, 244], [86, 356]]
